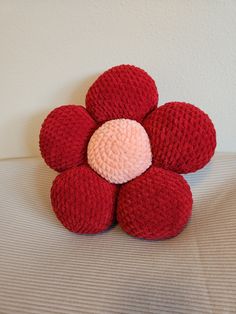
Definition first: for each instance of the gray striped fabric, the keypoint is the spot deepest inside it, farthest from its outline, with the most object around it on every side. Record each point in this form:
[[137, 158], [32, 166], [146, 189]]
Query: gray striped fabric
[[46, 269]]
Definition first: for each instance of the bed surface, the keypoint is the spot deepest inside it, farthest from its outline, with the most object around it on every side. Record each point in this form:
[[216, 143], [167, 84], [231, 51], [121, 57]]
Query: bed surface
[[46, 269]]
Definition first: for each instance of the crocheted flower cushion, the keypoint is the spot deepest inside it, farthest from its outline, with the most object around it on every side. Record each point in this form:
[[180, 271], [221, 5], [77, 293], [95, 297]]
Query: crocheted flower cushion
[[122, 157]]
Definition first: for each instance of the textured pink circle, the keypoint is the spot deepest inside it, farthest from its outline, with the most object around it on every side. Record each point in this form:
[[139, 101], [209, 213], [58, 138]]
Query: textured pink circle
[[119, 150]]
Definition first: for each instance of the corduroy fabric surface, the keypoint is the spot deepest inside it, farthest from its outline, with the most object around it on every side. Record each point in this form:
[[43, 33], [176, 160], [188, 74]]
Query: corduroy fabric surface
[[83, 201], [156, 205], [123, 91], [64, 137], [183, 137], [44, 268]]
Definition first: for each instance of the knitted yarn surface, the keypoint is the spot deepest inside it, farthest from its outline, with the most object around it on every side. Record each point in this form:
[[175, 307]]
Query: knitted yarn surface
[[83, 201], [119, 150], [64, 137], [157, 205], [122, 157], [183, 137], [123, 91]]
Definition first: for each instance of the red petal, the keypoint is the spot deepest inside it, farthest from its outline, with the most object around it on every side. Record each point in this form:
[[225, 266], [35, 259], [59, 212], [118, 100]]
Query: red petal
[[182, 136], [83, 201], [64, 137], [156, 205], [123, 91]]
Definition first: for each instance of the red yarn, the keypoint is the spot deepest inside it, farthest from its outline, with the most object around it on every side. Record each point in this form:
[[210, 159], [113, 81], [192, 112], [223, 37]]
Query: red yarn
[[182, 136], [156, 205], [64, 137], [83, 201], [123, 91]]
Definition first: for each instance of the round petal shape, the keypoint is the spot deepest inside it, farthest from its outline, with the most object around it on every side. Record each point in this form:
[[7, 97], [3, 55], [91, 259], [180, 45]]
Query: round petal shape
[[119, 150], [64, 137], [83, 201], [123, 91], [156, 205], [182, 137]]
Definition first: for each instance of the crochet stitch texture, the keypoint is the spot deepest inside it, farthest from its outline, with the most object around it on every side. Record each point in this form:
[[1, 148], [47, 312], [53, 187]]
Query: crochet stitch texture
[[122, 157]]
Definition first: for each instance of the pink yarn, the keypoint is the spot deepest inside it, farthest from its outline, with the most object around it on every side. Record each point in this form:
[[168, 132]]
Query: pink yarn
[[119, 150]]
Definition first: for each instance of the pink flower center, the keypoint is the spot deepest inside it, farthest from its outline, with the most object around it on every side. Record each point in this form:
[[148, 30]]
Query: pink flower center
[[119, 150]]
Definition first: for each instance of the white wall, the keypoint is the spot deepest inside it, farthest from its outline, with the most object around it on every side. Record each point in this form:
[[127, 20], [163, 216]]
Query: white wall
[[52, 50]]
